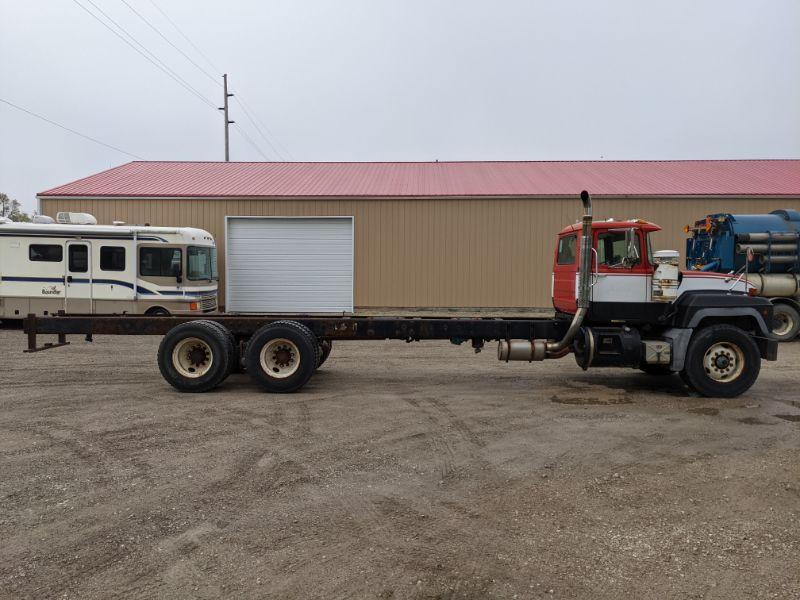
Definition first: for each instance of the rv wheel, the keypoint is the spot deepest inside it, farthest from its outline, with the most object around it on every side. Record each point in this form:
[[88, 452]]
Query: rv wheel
[[282, 356], [194, 356]]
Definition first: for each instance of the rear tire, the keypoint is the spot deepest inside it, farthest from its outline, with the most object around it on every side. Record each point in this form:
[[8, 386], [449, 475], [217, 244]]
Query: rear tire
[[325, 347], [786, 322], [194, 356], [282, 356], [236, 361], [722, 361]]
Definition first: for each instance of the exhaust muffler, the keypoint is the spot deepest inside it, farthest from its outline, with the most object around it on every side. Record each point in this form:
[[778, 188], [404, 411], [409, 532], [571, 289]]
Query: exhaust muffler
[[526, 350]]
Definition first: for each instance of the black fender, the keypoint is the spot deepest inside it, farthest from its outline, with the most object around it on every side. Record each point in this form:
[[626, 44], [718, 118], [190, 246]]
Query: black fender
[[693, 308], [785, 300]]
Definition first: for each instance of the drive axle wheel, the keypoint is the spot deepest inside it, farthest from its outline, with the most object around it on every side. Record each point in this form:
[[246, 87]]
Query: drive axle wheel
[[282, 356], [325, 347], [235, 365], [194, 356], [721, 361]]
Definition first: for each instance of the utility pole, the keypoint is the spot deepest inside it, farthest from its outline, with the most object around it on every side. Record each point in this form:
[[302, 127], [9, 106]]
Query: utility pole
[[224, 108]]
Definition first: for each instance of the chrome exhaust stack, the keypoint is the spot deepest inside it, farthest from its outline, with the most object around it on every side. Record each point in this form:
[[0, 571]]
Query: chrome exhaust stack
[[535, 350], [584, 279]]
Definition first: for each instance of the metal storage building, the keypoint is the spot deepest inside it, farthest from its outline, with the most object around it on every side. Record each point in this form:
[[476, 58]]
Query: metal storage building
[[442, 234]]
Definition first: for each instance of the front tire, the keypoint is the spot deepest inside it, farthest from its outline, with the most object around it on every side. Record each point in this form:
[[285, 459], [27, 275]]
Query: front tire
[[194, 356], [786, 322], [722, 361], [282, 356]]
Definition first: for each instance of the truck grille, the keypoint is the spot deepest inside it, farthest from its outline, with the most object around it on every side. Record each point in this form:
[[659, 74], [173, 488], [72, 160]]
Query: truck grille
[[208, 303]]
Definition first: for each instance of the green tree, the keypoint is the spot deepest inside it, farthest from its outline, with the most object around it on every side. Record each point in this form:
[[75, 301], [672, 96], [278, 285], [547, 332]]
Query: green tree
[[12, 209]]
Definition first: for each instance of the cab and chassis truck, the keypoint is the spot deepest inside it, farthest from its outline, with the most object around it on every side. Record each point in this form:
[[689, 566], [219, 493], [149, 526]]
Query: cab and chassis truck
[[618, 304]]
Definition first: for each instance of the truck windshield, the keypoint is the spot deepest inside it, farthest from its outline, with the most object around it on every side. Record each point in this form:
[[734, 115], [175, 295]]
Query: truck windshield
[[202, 263]]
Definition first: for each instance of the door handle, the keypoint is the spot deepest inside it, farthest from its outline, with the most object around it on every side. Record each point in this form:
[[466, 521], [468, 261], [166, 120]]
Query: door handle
[[69, 278]]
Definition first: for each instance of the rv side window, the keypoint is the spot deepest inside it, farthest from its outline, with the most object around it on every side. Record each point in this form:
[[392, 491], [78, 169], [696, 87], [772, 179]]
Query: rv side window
[[157, 262], [46, 253], [112, 258], [566, 250]]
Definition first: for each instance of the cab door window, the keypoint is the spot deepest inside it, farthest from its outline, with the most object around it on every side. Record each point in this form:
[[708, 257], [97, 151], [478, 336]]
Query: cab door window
[[566, 250], [618, 249]]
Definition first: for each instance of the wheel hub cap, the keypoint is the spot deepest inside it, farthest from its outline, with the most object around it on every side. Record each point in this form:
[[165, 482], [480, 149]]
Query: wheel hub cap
[[724, 362], [782, 324], [192, 357], [280, 358]]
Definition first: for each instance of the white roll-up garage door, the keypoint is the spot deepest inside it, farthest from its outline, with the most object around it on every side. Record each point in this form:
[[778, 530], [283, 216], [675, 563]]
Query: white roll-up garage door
[[289, 264]]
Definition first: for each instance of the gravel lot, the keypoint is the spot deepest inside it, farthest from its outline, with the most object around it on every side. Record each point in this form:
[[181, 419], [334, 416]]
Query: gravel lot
[[401, 471]]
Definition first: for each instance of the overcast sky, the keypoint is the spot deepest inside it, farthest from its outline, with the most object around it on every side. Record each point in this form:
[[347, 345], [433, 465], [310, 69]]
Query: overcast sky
[[360, 80]]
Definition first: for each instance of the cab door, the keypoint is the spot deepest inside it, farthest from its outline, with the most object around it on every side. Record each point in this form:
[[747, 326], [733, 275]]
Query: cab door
[[565, 268], [78, 278], [622, 273]]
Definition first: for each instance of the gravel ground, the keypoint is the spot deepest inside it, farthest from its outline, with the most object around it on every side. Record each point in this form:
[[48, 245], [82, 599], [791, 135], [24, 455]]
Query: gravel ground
[[401, 471]]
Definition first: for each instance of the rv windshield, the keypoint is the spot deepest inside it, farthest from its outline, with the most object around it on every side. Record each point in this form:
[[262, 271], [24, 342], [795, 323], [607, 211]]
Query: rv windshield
[[202, 263]]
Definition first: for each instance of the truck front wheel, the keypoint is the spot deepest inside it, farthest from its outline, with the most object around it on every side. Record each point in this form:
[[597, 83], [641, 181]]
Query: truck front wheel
[[722, 361]]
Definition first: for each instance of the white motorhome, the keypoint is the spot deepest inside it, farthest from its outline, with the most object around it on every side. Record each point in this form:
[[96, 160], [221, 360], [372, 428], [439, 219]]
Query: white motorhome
[[80, 267]]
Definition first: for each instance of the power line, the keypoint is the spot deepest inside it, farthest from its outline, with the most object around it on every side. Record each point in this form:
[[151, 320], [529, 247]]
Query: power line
[[154, 60], [166, 39], [250, 115], [252, 119], [250, 141], [186, 37], [64, 127]]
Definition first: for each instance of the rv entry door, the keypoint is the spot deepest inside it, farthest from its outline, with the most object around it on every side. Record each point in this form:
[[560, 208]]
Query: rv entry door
[[78, 278]]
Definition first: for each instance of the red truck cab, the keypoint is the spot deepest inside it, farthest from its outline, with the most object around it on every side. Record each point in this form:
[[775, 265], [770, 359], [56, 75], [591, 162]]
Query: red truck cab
[[622, 263]]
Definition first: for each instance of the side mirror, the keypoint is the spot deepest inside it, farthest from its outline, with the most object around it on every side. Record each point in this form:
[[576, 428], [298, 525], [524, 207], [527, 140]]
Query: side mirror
[[177, 272]]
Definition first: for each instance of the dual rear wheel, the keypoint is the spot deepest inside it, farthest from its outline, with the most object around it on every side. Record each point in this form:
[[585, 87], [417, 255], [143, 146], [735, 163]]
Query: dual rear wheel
[[281, 356]]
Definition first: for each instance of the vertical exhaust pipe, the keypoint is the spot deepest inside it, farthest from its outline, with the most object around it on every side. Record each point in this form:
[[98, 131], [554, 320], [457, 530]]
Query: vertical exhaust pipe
[[584, 280]]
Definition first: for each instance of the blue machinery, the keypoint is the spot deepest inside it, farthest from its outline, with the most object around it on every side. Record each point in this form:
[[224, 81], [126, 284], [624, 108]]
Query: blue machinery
[[721, 242]]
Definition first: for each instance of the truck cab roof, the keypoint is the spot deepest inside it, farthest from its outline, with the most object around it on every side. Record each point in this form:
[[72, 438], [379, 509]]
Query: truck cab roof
[[646, 226]]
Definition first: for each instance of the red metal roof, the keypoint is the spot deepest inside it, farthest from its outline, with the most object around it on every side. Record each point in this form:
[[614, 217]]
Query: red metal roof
[[438, 179]]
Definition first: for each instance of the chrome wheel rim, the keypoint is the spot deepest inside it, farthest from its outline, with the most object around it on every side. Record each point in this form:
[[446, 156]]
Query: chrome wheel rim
[[785, 324], [723, 362], [280, 358], [192, 357]]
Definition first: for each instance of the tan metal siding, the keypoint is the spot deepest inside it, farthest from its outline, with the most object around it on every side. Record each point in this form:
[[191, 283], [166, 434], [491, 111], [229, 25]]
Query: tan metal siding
[[436, 253]]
